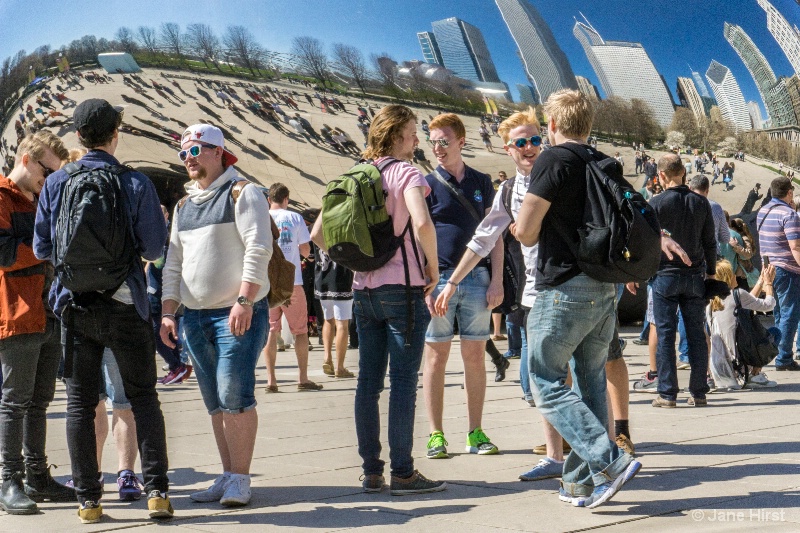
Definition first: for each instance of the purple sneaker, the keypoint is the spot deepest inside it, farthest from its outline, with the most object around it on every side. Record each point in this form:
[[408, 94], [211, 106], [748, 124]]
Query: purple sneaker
[[130, 488]]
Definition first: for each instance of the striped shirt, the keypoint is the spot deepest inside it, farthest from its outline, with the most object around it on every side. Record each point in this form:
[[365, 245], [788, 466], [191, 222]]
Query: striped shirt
[[778, 224]]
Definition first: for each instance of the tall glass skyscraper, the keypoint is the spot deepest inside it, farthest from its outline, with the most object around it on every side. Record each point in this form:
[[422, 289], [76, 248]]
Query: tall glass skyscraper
[[787, 37], [545, 64], [464, 50], [773, 94], [729, 96], [430, 48], [625, 70], [700, 85]]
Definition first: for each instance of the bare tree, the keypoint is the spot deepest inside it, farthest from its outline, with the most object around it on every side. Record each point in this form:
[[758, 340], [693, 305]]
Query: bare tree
[[204, 43], [174, 40], [126, 39], [243, 47], [148, 39], [352, 62], [311, 57]]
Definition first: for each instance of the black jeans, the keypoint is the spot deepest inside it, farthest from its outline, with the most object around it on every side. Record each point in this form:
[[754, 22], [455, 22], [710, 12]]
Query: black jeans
[[110, 324], [171, 356], [30, 363]]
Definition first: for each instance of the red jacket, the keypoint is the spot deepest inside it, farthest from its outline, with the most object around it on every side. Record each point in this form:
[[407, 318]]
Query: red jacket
[[22, 276]]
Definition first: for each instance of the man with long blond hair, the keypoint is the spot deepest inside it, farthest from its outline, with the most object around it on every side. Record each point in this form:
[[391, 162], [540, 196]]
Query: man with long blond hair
[[390, 334], [572, 319]]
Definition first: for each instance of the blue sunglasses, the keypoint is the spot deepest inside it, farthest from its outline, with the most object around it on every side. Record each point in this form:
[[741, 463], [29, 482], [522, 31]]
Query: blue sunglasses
[[523, 141]]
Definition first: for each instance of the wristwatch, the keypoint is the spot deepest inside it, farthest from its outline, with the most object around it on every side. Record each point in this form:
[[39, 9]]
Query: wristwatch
[[242, 300]]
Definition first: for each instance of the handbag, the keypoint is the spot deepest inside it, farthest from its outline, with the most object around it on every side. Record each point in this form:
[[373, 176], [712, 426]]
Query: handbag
[[755, 346]]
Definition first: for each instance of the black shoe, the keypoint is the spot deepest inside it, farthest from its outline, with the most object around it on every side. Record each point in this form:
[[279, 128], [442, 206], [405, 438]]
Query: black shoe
[[502, 364], [792, 367], [40, 486], [12, 496]]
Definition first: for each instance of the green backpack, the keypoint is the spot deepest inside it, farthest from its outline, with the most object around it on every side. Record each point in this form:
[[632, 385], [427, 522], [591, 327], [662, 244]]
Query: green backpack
[[358, 231]]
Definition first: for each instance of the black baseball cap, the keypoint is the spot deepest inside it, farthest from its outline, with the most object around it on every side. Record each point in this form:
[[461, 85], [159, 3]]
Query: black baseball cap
[[97, 115]]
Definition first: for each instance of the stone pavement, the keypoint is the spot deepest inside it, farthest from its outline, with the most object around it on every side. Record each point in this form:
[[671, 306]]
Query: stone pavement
[[732, 466]]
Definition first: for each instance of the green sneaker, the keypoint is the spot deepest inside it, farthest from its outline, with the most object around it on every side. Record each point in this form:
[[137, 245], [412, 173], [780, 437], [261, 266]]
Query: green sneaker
[[436, 446], [478, 442]]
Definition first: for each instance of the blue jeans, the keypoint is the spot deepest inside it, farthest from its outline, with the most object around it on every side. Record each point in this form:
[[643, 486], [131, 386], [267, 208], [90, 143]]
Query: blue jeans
[[683, 343], [787, 292], [571, 326], [382, 318], [670, 293], [224, 363]]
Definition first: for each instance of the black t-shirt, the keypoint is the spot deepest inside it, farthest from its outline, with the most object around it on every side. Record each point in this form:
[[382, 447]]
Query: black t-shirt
[[559, 176]]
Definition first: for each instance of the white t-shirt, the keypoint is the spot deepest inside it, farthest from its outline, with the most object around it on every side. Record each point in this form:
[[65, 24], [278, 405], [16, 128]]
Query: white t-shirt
[[294, 232]]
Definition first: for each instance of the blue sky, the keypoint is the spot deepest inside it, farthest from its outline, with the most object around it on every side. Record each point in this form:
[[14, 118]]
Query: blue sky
[[673, 33]]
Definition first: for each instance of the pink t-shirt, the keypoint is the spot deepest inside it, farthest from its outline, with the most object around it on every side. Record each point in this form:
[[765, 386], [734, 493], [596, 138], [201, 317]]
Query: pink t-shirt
[[397, 178]]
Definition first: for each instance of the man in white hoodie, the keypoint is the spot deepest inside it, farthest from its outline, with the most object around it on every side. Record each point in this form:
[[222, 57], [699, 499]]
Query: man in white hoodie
[[216, 266]]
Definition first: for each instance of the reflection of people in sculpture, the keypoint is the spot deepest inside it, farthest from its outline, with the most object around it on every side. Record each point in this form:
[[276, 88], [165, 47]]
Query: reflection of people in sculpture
[[134, 101], [273, 155], [209, 112], [126, 128]]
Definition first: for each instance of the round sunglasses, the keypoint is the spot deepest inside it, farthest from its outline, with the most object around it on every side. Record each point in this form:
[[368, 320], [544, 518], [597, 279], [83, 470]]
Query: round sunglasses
[[536, 140], [193, 151]]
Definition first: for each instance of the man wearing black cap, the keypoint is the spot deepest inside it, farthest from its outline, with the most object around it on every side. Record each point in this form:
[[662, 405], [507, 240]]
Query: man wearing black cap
[[120, 321]]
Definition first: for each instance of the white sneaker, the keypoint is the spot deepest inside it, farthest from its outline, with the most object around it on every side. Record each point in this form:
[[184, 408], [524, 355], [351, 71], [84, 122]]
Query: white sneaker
[[215, 492], [237, 492], [760, 381]]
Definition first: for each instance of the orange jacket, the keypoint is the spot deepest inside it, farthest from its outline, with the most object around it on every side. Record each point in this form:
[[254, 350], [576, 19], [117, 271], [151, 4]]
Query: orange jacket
[[22, 276]]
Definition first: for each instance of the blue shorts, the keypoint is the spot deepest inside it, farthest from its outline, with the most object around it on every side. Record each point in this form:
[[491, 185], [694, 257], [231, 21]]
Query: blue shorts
[[114, 389], [225, 364], [468, 305]]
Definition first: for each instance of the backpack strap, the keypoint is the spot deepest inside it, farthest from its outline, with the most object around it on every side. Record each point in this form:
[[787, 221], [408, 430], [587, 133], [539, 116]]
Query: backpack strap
[[236, 190], [507, 192], [458, 195], [765, 217]]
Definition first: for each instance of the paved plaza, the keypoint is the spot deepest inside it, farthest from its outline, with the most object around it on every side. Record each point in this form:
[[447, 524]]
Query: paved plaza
[[733, 466]]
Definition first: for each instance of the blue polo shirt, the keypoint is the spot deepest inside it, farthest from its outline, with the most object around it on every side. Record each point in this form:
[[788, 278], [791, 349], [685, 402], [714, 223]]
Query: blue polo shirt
[[454, 225]]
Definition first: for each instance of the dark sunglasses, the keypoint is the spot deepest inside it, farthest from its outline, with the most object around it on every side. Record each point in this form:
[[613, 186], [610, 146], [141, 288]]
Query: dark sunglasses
[[523, 141], [194, 151], [45, 170], [443, 143]]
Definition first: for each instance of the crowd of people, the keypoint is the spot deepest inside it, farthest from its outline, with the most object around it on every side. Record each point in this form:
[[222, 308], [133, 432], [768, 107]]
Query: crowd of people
[[199, 297]]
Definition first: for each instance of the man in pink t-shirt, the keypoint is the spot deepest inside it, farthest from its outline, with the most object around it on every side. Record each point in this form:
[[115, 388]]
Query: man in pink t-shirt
[[389, 333]]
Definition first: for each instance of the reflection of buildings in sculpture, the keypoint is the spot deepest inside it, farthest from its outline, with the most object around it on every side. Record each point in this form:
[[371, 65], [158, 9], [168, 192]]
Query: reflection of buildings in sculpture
[[527, 94], [755, 115], [546, 66], [464, 51], [438, 73], [430, 48], [729, 96], [587, 88], [788, 37], [625, 70], [773, 92], [690, 98]]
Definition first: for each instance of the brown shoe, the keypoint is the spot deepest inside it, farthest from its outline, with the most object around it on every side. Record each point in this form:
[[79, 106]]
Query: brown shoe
[[663, 402], [625, 444], [542, 448], [345, 374], [308, 386], [327, 368], [696, 402], [272, 388], [500, 337]]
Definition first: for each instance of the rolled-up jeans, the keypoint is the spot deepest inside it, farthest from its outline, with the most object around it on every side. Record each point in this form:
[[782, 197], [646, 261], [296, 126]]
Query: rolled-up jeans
[[570, 327], [30, 363], [382, 317]]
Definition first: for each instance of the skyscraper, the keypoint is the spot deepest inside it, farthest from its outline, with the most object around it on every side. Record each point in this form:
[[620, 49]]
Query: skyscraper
[[729, 96], [545, 64], [755, 115], [787, 37], [625, 70], [464, 51], [587, 87], [700, 85], [527, 95], [690, 98], [430, 48], [773, 93]]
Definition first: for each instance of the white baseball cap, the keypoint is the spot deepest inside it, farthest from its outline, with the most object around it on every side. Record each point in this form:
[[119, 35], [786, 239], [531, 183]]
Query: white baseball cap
[[206, 133]]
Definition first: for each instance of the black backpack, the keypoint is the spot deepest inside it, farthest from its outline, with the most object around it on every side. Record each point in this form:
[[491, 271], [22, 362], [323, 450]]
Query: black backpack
[[94, 248], [620, 239], [755, 345], [513, 261]]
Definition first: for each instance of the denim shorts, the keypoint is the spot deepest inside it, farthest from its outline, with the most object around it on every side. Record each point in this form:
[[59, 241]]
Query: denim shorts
[[468, 305], [225, 364], [114, 389]]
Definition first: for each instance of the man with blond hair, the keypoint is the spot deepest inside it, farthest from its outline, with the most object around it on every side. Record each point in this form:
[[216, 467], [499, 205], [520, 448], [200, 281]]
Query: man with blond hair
[[459, 200], [391, 330], [572, 319], [30, 339]]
